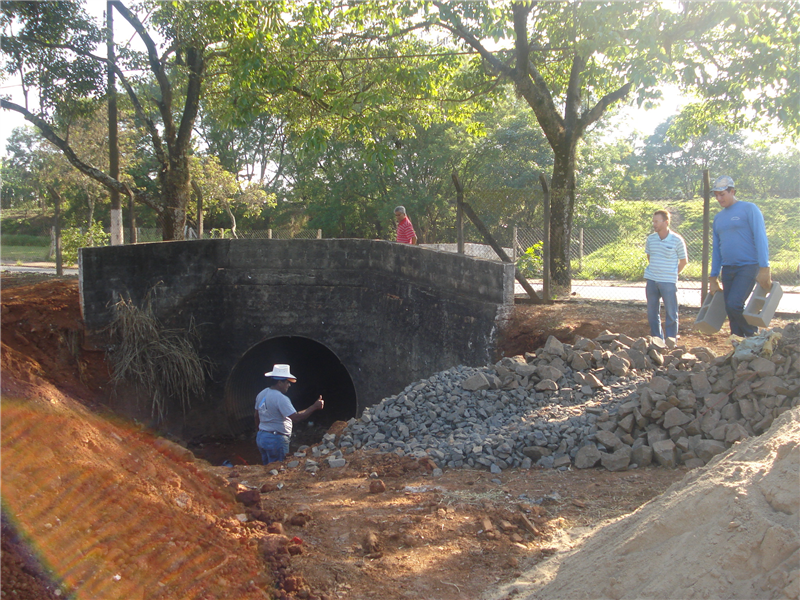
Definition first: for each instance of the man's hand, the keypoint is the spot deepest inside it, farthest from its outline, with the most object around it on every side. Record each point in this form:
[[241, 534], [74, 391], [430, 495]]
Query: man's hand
[[319, 404], [764, 278], [713, 286]]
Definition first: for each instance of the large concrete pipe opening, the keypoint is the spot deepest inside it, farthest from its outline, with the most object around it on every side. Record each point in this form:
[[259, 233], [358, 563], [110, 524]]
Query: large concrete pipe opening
[[318, 370]]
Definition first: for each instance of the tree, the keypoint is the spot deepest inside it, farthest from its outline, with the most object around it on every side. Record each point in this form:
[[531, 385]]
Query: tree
[[305, 62], [572, 61], [673, 169]]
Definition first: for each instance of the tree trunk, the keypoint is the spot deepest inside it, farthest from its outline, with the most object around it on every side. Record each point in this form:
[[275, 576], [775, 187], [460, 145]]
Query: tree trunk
[[562, 203], [177, 191], [117, 238]]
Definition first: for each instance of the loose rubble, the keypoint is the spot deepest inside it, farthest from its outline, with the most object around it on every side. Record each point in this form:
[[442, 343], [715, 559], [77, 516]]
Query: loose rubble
[[613, 401]]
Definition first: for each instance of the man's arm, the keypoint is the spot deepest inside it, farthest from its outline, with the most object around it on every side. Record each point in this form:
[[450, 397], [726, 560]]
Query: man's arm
[[682, 264], [307, 412]]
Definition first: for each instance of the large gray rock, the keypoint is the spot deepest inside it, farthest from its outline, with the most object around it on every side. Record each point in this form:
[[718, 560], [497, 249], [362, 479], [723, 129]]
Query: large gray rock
[[660, 385], [549, 372], [763, 366], [735, 433], [524, 369], [618, 461], [587, 457], [675, 417], [642, 456], [700, 385], [476, 382], [608, 439], [618, 366], [578, 362], [656, 434], [665, 452], [546, 385], [554, 347]]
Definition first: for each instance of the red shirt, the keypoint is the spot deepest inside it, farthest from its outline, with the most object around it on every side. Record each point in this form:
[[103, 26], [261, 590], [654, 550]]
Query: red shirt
[[405, 231]]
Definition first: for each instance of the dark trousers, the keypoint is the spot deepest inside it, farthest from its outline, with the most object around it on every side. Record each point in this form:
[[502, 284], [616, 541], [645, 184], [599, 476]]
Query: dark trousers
[[737, 285]]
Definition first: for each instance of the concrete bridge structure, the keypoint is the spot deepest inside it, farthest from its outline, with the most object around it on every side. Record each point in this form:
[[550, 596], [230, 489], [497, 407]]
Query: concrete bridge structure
[[356, 319]]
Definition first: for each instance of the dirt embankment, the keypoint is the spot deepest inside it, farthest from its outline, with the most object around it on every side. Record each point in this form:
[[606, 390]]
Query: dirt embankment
[[112, 512]]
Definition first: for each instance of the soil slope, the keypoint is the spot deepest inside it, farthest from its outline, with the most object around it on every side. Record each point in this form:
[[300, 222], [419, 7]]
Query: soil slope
[[728, 530]]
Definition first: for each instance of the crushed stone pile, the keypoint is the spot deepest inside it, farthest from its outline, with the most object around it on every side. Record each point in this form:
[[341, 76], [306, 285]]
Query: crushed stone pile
[[613, 401], [730, 529]]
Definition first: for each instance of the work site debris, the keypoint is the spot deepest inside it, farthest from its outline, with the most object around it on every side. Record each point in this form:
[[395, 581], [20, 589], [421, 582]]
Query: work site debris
[[613, 401]]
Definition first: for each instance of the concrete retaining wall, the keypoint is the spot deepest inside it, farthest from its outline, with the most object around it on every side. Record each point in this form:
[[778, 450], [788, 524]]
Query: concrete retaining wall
[[391, 313]]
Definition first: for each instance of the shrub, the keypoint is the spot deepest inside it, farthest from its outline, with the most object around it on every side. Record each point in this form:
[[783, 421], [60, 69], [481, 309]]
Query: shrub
[[73, 238], [531, 263]]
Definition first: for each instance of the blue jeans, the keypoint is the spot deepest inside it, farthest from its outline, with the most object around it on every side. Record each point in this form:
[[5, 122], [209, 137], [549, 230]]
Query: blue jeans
[[655, 291], [737, 284], [273, 447]]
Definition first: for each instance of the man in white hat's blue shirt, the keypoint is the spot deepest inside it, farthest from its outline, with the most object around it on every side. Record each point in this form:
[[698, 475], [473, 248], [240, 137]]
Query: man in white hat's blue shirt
[[275, 415], [740, 253]]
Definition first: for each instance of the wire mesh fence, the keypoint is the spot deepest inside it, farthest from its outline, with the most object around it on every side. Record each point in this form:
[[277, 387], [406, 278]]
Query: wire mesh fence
[[153, 234]]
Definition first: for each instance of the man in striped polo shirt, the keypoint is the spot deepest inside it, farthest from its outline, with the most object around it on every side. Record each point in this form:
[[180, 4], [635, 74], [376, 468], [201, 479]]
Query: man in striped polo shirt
[[666, 257], [405, 230]]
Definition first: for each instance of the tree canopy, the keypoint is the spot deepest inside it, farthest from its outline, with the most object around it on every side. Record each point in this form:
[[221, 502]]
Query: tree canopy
[[572, 61]]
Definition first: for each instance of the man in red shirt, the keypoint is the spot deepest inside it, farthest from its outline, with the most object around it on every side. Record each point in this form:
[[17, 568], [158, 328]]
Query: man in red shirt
[[405, 230]]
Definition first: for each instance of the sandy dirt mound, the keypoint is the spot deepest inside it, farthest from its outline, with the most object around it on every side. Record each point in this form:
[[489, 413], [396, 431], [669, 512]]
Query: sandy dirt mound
[[728, 530]]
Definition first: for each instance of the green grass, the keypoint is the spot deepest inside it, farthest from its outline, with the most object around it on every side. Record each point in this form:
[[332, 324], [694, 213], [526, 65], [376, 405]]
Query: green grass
[[15, 239], [14, 254], [624, 258]]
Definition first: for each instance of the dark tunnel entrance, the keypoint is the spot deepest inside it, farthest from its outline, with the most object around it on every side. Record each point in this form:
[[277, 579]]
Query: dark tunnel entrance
[[318, 370]]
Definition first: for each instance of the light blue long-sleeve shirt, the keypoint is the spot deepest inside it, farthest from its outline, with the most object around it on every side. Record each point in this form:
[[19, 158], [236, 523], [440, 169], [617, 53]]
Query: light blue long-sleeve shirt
[[740, 238]]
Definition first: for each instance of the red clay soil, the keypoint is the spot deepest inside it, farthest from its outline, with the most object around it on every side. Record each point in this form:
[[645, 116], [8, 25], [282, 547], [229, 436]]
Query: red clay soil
[[97, 507]]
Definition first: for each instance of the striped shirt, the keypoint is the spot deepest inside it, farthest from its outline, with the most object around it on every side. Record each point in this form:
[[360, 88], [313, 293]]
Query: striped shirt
[[664, 257], [405, 231]]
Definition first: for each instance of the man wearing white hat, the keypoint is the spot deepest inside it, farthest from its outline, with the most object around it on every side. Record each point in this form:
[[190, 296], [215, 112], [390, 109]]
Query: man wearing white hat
[[276, 415], [740, 251]]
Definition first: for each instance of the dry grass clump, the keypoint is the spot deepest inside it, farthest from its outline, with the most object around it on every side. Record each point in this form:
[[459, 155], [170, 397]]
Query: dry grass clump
[[165, 362]]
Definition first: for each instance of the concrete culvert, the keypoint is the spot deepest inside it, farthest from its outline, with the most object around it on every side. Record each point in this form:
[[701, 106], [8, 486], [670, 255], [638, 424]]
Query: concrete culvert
[[318, 372]]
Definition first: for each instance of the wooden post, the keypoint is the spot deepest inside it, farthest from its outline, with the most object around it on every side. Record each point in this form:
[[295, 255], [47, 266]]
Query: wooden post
[[319, 234], [514, 244], [498, 249], [459, 214], [56, 197], [546, 240], [706, 223]]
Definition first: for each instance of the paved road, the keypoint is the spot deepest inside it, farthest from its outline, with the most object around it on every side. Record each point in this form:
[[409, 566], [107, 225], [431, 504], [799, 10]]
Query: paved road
[[687, 296], [35, 269]]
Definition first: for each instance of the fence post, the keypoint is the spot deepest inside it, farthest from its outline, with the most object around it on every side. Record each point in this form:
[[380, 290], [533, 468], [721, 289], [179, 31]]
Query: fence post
[[514, 243], [57, 229], [319, 234], [546, 240], [269, 234], [459, 214], [706, 221]]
